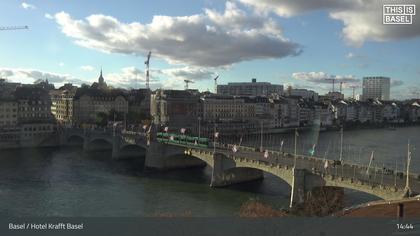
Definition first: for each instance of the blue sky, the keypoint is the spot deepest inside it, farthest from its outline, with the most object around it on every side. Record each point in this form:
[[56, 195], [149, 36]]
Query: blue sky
[[298, 44]]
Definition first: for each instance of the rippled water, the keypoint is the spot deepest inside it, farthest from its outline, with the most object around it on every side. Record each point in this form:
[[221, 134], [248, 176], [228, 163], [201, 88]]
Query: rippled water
[[68, 182]]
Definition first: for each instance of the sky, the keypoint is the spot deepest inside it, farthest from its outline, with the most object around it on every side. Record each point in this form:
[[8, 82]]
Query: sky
[[303, 44]]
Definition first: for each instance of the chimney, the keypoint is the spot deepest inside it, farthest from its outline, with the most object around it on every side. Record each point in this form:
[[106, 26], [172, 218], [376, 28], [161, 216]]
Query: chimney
[[254, 80]]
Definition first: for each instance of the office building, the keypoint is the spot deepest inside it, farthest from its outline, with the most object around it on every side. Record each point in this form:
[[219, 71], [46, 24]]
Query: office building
[[253, 88], [376, 87]]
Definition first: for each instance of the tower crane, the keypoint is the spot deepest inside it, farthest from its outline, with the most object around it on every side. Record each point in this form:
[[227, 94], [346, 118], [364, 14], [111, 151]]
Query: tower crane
[[333, 83], [354, 87], [147, 63], [14, 27], [215, 84], [187, 82]]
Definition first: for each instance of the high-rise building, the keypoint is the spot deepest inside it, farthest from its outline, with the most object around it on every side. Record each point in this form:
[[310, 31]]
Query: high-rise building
[[250, 89], [376, 87]]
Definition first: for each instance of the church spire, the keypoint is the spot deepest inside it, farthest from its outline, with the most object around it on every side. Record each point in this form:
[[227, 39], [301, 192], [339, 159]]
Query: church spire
[[101, 78], [101, 81]]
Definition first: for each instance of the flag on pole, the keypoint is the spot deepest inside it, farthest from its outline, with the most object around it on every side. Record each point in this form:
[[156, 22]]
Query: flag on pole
[[195, 142], [183, 130], [116, 123], [370, 161], [150, 129], [234, 149], [281, 143], [266, 153], [296, 133], [144, 127], [171, 138], [326, 164], [166, 129], [216, 135], [312, 151]]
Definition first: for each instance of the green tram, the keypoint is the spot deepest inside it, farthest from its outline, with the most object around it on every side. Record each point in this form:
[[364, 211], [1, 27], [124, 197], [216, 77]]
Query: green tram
[[182, 139]]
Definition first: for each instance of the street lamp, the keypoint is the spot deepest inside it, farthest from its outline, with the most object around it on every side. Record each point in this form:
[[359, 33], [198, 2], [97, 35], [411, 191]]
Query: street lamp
[[199, 127], [261, 144]]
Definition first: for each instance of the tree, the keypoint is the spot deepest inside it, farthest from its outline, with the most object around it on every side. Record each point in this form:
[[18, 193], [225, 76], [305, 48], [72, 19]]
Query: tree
[[101, 119]]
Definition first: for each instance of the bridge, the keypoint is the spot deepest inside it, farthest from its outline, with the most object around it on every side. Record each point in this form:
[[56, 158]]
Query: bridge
[[301, 173]]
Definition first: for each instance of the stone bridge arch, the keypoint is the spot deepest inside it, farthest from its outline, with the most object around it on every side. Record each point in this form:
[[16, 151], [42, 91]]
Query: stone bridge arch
[[75, 139], [129, 150], [230, 170], [97, 144]]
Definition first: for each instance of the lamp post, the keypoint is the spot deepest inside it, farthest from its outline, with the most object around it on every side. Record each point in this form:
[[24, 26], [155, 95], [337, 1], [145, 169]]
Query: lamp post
[[261, 138], [341, 144], [296, 137], [407, 183], [199, 127]]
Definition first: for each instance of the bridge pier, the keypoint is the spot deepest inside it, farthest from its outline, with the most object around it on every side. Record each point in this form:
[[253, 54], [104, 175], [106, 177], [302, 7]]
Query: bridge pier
[[297, 195], [224, 174]]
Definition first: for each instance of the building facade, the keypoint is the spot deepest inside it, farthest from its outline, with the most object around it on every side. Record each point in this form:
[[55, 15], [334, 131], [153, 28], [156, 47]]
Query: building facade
[[377, 87], [8, 114], [250, 89], [62, 104], [175, 108]]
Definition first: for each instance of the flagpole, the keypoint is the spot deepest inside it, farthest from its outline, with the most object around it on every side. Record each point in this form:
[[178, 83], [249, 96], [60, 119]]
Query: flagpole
[[407, 183], [396, 167], [261, 144], [341, 145], [199, 128], [296, 134], [214, 143]]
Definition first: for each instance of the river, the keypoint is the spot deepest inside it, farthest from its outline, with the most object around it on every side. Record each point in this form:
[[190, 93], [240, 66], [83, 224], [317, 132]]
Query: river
[[68, 182]]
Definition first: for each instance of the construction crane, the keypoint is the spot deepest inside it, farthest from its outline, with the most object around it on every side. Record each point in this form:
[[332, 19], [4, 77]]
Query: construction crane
[[147, 63], [333, 83], [215, 84], [354, 91], [187, 82], [14, 27]]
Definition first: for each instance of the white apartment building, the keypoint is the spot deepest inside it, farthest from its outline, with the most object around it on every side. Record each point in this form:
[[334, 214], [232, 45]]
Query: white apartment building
[[376, 87], [253, 88]]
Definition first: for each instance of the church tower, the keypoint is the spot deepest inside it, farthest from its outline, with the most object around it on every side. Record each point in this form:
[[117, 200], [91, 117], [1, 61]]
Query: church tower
[[101, 81]]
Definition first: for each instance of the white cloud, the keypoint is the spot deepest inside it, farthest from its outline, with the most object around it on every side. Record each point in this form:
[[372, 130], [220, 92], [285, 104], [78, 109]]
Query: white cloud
[[210, 39], [48, 16], [362, 19], [172, 78], [324, 78], [128, 77], [87, 68], [27, 6], [61, 64], [396, 83], [189, 73], [350, 55], [31, 75]]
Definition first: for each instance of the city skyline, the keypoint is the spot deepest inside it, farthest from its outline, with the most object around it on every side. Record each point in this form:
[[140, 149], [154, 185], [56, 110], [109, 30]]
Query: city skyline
[[70, 43]]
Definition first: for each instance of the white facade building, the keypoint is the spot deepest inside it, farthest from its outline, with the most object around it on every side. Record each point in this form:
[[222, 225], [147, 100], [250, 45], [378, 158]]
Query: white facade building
[[376, 88], [250, 89]]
